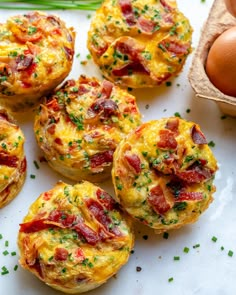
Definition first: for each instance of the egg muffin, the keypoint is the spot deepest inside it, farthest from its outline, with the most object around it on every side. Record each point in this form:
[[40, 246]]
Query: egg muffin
[[80, 124], [139, 43], [12, 158], [36, 55], [163, 173], [74, 237]]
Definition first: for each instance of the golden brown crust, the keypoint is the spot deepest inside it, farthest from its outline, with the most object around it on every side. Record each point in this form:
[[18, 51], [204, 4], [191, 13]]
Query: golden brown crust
[[12, 158], [163, 173], [36, 55], [74, 238], [139, 43], [80, 124]]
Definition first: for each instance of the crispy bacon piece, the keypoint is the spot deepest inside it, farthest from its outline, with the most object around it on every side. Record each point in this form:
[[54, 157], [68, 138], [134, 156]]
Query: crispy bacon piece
[[58, 141], [189, 196], [157, 200], [133, 67], [69, 52], [61, 254], [107, 201], [101, 158], [23, 165], [195, 174], [127, 11], [167, 140], [23, 62], [173, 125], [147, 26], [88, 233], [166, 5], [104, 107], [53, 105], [174, 47], [7, 160], [51, 129], [67, 220], [79, 254], [197, 136], [97, 211], [37, 267], [107, 87], [134, 162], [34, 226]]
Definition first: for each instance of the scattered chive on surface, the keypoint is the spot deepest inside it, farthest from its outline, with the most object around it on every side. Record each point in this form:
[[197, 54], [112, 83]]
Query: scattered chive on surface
[[170, 279], [36, 164], [176, 258], [51, 5], [186, 250], [165, 236], [230, 253], [214, 239], [196, 246]]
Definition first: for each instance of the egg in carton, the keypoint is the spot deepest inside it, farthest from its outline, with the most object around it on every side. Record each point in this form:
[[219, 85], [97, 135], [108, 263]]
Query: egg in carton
[[218, 21]]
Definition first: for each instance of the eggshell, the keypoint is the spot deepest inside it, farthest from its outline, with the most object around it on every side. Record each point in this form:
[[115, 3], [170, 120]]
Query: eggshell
[[231, 6], [218, 21], [221, 62]]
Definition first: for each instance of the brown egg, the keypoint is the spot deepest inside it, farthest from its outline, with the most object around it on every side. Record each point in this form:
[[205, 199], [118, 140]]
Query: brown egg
[[231, 6], [221, 62]]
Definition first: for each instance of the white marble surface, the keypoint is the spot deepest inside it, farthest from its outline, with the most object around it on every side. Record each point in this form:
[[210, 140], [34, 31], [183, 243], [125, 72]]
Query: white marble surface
[[204, 270]]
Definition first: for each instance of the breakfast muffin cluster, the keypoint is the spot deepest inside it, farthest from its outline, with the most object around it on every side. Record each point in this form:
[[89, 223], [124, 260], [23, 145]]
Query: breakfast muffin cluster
[[36, 55], [80, 125], [139, 43], [76, 236], [163, 173]]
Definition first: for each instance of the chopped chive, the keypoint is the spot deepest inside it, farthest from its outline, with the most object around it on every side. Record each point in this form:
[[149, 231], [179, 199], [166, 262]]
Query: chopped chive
[[176, 258], [15, 267], [32, 176], [5, 252], [214, 239], [186, 250], [168, 84], [222, 248], [196, 246], [177, 114], [230, 253], [36, 164], [13, 253], [145, 237], [211, 144], [1, 236], [170, 279], [165, 235], [6, 243]]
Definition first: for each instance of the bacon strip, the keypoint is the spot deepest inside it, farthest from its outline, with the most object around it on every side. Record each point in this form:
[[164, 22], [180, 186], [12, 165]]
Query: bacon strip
[[105, 199], [189, 196], [61, 254], [195, 174], [157, 200], [127, 11], [167, 140], [173, 125], [7, 160], [134, 162], [133, 67], [197, 136], [101, 158]]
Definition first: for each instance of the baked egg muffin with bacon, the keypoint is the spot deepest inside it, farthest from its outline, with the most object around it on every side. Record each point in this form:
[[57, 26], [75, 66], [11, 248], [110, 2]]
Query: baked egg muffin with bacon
[[12, 158], [36, 55], [74, 237], [139, 43], [80, 124], [163, 173]]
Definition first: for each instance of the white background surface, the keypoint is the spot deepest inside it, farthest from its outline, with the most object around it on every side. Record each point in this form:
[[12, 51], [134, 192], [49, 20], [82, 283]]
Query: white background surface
[[204, 270]]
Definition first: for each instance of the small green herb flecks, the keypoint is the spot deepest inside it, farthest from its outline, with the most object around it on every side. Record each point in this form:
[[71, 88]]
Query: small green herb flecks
[[6, 243], [211, 144], [188, 111], [223, 117], [196, 246], [186, 250], [170, 279], [36, 164], [32, 176], [165, 235], [214, 239], [222, 248], [15, 267], [176, 258], [177, 114], [230, 253], [145, 237], [168, 84]]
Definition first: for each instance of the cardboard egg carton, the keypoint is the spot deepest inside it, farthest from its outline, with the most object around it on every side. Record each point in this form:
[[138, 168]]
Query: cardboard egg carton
[[219, 20]]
